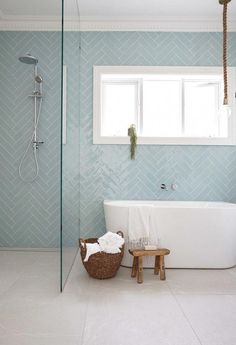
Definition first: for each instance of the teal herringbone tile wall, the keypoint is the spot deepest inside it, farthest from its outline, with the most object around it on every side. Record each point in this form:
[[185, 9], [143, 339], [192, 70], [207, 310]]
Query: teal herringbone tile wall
[[29, 213], [70, 151], [201, 172]]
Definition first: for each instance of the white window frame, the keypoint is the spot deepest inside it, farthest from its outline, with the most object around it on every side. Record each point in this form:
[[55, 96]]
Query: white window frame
[[99, 71]]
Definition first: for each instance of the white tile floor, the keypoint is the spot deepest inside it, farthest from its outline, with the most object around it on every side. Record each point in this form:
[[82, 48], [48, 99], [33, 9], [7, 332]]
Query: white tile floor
[[191, 307]]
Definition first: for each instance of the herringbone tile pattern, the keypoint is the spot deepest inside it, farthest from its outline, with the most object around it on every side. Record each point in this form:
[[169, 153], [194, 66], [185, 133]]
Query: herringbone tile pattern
[[30, 212], [70, 152], [202, 173]]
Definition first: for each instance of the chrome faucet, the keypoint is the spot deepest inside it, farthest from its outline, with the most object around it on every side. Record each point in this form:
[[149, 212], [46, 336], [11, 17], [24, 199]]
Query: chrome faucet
[[164, 186]]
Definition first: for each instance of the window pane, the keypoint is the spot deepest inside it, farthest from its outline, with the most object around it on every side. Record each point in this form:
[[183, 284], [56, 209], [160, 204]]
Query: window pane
[[201, 108], [119, 108], [162, 108]]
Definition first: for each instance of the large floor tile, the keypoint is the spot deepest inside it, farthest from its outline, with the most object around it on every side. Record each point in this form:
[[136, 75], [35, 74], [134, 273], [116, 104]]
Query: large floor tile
[[8, 278], [201, 281], [232, 271], [78, 279], [123, 282], [43, 314], [39, 340], [19, 258], [32, 309], [131, 319], [191, 307], [37, 281], [12, 266], [212, 317]]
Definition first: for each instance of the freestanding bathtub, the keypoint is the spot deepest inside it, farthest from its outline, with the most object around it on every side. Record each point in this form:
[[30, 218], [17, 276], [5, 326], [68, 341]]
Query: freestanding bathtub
[[198, 234]]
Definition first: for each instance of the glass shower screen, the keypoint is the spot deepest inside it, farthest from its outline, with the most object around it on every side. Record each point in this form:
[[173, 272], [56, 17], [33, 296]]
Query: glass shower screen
[[70, 153]]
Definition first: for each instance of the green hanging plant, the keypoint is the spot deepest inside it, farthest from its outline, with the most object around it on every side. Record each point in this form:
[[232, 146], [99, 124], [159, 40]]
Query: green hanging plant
[[133, 141]]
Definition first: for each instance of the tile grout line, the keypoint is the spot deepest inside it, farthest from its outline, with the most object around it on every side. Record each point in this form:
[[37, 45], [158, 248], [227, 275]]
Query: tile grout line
[[87, 304], [86, 317], [185, 316], [10, 286]]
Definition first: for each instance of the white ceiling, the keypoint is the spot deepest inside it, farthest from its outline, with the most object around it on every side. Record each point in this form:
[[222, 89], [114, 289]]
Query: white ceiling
[[159, 8], [186, 15], [118, 8], [30, 7]]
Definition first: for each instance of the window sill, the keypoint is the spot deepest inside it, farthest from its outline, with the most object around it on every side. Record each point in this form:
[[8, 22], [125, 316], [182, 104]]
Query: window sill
[[164, 141]]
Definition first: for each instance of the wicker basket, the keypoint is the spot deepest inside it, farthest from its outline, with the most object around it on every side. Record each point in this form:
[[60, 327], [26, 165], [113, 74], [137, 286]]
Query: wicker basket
[[101, 265]]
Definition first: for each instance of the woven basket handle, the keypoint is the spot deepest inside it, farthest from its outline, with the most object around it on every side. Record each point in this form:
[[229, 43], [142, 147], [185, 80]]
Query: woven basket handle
[[82, 244], [120, 233]]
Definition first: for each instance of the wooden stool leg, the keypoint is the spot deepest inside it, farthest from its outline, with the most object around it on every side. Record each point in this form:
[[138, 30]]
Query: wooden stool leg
[[134, 267], [157, 265], [140, 270], [162, 268]]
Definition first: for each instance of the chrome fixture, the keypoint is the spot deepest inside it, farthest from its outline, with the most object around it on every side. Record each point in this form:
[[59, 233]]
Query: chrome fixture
[[39, 79], [37, 96], [37, 143], [164, 186], [29, 59], [174, 186]]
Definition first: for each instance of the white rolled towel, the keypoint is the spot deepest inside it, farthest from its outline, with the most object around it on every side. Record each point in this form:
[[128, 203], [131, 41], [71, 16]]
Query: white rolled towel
[[111, 243], [91, 248]]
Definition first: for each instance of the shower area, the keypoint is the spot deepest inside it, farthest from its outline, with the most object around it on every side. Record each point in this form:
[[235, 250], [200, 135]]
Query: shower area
[[39, 133]]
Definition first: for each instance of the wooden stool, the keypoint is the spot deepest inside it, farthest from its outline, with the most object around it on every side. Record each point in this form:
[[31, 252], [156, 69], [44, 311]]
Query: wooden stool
[[138, 254]]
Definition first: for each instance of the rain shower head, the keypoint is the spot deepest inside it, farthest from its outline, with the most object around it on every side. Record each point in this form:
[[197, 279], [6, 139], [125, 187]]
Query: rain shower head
[[29, 59]]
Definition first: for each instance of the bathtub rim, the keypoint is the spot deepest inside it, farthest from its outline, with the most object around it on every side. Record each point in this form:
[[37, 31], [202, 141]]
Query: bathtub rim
[[172, 204]]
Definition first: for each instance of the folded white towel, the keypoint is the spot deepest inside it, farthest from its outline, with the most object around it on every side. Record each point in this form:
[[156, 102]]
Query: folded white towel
[[139, 223], [111, 243], [91, 248]]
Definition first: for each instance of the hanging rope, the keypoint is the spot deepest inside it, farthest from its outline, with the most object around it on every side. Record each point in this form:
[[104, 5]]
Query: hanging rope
[[225, 32]]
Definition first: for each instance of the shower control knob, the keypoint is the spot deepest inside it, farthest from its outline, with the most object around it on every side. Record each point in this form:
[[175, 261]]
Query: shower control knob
[[174, 186]]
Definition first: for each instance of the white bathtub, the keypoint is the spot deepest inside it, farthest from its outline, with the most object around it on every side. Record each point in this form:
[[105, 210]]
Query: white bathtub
[[198, 234]]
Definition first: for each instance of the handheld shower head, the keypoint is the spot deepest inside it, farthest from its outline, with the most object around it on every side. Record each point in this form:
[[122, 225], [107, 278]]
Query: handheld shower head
[[39, 79]]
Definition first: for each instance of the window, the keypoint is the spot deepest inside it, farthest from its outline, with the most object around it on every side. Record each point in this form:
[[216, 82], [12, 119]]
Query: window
[[119, 106], [168, 105]]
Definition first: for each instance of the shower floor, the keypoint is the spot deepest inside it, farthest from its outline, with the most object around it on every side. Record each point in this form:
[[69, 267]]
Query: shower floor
[[190, 307]]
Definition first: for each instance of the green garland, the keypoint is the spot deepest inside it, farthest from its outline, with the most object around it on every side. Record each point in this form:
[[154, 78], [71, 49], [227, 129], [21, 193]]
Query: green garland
[[133, 141]]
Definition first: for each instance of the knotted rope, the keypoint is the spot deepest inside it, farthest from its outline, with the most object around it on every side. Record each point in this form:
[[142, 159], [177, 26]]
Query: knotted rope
[[225, 33]]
